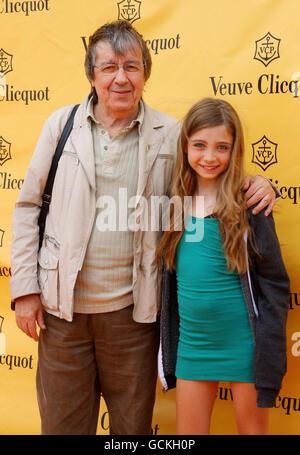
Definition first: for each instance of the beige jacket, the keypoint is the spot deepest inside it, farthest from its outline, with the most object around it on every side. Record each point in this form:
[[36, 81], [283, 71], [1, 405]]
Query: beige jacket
[[52, 271]]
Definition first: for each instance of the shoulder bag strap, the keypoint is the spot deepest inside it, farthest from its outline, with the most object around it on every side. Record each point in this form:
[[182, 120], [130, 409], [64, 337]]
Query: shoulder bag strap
[[46, 198]]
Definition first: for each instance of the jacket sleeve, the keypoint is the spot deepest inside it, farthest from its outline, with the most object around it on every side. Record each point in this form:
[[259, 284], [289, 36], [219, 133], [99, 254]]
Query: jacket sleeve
[[25, 230], [272, 287]]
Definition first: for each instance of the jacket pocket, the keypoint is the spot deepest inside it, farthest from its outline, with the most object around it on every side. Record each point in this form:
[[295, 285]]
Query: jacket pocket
[[167, 156], [73, 157], [48, 278]]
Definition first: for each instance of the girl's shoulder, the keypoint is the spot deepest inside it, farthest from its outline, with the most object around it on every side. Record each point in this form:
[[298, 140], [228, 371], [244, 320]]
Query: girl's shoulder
[[260, 220]]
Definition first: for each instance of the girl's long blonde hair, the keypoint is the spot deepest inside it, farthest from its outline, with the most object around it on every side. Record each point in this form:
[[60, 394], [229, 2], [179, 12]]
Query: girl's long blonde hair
[[230, 205]]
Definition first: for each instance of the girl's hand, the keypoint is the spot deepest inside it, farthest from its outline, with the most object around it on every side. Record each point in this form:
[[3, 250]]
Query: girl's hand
[[258, 190]]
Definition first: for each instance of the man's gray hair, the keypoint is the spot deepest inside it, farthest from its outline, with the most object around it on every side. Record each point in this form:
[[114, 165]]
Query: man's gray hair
[[121, 36]]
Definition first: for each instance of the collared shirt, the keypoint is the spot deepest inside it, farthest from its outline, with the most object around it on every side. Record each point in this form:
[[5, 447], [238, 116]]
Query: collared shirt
[[105, 280]]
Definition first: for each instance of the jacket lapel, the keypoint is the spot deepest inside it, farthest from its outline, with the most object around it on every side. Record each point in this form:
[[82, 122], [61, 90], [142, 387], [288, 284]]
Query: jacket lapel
[[81, 140], [149, 145]]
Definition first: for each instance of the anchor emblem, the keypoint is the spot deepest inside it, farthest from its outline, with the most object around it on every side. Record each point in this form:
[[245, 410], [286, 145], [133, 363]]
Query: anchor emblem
[[264, 153], [129, 10], [5, 154], [267, 49], [5, 62]]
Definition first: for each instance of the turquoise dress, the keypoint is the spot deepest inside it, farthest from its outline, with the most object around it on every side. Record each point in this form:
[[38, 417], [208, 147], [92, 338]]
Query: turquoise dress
[[215, 338]]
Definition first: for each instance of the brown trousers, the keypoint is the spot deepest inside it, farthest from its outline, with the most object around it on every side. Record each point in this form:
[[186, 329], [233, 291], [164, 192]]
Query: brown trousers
[[106, 353]]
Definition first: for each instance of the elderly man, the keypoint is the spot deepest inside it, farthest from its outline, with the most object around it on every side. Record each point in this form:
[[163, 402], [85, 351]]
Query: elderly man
[[95, 293]]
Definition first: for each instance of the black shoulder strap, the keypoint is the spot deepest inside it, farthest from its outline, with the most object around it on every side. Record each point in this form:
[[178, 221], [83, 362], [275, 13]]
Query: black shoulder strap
[[50, 181], [59, 149]]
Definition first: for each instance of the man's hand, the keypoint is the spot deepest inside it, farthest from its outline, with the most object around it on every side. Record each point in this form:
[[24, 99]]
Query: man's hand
[[29, 312], [258, 189]]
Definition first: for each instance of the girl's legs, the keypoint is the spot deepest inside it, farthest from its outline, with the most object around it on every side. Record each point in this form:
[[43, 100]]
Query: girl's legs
[[194, 405], [250, 419]]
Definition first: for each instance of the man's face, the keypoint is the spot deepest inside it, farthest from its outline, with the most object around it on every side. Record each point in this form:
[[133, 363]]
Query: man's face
[[118, 94]]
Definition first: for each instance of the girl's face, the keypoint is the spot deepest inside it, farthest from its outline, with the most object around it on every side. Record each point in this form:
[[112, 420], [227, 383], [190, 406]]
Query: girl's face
[[209, 151]]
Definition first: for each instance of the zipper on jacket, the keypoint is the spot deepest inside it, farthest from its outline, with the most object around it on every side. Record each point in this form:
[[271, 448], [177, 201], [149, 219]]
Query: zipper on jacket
[[251, 292], [91, 226], [75, 152], [86, 243], [248, 276]]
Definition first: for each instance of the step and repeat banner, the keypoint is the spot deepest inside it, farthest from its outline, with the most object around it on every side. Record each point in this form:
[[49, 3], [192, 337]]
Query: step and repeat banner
[[244, 52]]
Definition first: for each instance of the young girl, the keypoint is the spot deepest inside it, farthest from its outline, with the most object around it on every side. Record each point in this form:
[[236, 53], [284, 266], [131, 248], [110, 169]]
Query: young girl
[[225, 298]]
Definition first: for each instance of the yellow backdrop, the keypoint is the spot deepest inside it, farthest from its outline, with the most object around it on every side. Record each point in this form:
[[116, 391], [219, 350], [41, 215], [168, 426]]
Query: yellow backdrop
[[244, 52]]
